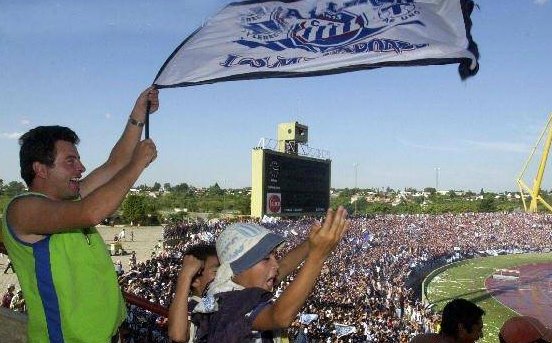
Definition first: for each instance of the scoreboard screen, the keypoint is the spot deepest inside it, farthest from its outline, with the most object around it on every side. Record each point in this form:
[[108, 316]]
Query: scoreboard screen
[[295, 185]]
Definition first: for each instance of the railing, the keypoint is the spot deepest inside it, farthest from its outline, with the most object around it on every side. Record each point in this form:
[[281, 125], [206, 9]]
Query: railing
[[295, 147], [143, 318], [132, 299]]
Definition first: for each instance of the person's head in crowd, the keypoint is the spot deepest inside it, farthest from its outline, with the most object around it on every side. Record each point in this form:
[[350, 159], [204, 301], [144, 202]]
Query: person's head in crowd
[[246, 253], [208, 254], [462, 320], [524, 329]]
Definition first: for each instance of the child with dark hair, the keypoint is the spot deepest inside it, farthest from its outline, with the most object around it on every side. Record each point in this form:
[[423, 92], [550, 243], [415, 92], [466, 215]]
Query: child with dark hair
[[199, 267]]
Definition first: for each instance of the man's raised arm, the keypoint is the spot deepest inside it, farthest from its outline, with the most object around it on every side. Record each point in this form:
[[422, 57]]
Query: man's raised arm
[[121, 153]]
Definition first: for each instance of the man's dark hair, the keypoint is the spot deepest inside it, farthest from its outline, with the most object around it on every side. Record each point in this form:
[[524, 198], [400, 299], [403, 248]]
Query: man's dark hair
[[460, 311], [202, 251], [39, 145]]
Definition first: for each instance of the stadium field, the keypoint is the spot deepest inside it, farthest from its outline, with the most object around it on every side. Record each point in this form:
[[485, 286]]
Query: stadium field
[[466, 279]]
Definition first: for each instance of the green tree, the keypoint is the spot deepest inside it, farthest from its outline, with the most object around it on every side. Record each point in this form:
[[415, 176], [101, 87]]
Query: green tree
[[379, 207], [143, 188], [14, 188], [342, 199], [430, 190], [156, 187], [181, 188], [139, 209], [215, 190], [487, 204], [243, 204], [361, 205]]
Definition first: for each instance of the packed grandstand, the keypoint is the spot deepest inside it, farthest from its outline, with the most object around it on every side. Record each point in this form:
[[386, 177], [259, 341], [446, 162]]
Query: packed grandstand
[[369, 290]]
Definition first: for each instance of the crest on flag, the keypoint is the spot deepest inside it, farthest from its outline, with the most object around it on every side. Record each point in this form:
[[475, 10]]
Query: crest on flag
[[331, 29], [291, 38]]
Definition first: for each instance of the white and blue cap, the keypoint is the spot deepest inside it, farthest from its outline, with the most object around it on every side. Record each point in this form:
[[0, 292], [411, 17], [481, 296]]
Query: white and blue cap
[[242, 245]]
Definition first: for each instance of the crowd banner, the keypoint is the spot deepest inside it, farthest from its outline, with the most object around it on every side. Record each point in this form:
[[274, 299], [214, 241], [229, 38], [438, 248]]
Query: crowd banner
[[344, 330], [307, 318], [294, 38]]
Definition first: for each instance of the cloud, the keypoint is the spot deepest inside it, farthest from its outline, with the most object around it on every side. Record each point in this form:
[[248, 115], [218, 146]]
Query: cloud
[[107, 115], [25, 122], [499, 146], [11, 135], [540, 2]]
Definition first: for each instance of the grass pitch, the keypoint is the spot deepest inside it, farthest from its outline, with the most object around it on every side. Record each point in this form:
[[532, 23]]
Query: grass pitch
[[466, 280]]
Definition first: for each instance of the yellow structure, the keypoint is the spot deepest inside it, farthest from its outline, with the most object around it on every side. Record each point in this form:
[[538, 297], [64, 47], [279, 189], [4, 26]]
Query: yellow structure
[[289, 135], [257, 181], [289, 178], [534, 191]]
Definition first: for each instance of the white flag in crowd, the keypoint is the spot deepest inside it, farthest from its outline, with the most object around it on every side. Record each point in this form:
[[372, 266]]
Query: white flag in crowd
[[292, 38], [307, 318], [344, 330]]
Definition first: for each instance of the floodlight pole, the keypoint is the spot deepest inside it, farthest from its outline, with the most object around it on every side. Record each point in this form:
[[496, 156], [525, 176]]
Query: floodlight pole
[[437, 170], [356, 190]]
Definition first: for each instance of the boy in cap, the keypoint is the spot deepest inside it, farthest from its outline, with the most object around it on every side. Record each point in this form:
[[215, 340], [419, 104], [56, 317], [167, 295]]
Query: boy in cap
[[524, 329], [240, 300]]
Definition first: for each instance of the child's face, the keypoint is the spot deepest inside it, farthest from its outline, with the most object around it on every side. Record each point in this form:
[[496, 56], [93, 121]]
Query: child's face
[[207, 275], [263, 274]]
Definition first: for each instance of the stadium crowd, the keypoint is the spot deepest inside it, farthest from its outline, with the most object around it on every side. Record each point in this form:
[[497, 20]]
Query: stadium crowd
[[368, 289]]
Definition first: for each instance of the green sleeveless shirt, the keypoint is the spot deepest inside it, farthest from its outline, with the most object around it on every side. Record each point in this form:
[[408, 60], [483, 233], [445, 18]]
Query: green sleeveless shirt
[[69, 284]]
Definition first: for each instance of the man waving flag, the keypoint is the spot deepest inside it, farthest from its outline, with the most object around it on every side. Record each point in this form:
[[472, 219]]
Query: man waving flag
[[293, 38]]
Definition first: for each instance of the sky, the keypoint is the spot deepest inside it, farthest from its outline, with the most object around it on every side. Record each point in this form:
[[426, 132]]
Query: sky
[[83, 63]]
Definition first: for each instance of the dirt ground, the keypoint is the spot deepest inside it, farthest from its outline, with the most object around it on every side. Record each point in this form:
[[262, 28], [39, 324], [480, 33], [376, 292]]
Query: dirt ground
[[145, 240]]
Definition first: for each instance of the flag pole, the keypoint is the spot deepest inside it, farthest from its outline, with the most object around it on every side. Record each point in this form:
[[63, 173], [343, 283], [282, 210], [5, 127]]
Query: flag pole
[[147, 118], [147, 121]]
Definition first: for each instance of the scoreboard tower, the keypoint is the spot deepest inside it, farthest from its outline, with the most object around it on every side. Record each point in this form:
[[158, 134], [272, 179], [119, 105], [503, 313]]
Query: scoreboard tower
[[287, 180]]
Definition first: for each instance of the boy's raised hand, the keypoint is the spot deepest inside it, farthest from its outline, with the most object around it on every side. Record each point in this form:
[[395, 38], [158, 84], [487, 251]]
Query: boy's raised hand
[[324, 238], [191, 266]]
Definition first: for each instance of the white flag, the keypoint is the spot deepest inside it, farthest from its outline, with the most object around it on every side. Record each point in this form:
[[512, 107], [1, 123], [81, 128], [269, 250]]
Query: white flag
[[344, 330], [291, 38], [307, 318]]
